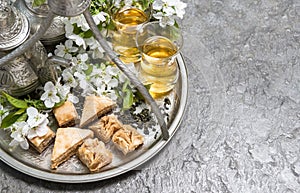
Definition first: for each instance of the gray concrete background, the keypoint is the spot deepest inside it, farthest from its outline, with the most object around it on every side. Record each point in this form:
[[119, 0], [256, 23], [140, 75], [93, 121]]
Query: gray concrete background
[[241, 130]]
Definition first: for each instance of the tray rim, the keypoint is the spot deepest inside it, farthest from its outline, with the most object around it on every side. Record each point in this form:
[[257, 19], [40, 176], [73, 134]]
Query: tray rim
[[146, 156]]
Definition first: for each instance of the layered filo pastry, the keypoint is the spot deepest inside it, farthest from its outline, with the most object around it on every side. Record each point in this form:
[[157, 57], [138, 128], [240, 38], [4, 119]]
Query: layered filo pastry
[[105, 127], [66, 143], [41, 143], [94, 154], [94, 107], [127, 139], [66, 114]]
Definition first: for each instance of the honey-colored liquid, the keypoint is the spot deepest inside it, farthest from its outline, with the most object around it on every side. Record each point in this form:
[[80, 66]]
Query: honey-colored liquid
[[158, 67], [131, 17], [124, 38]]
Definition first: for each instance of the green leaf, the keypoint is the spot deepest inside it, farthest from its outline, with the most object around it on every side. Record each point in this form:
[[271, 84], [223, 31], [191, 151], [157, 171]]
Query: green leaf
[[10, 119], [87, 34], [138, 94], [176, 24], [77, 30], [89, 70], [21, 104], [23, 117], [60, 103], [38, 104], [20, 111], [128, 99], [37, 3], [126, 83]]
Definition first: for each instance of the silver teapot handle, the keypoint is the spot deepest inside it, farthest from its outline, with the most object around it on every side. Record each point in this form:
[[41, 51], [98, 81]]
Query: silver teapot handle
[[52, 69]]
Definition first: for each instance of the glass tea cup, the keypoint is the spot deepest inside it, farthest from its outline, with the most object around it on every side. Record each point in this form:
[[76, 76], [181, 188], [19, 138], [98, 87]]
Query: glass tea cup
[[126, 21], [159, 46]]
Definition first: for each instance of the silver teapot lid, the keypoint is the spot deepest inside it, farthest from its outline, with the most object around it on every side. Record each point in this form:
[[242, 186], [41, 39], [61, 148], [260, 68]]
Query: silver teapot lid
[[14, 26], [68, 8], [41, 10]]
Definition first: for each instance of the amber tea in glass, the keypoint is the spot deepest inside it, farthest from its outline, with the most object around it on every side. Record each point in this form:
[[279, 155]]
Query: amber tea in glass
[[126, 21], [159, 47]]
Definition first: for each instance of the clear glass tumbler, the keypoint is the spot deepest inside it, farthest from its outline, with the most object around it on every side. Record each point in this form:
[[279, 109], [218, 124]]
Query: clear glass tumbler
[[126, 21], [159, 46]]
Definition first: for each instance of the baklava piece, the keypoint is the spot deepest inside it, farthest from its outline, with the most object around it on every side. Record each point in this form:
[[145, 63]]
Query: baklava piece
[[94, 107], [66, 114], [127, 139], [67, 142], [94, 154], [41, 143], [106, 127]]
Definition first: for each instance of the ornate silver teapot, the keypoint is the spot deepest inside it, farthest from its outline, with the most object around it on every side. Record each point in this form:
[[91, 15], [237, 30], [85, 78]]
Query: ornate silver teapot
[[25, 73], [35, 15]]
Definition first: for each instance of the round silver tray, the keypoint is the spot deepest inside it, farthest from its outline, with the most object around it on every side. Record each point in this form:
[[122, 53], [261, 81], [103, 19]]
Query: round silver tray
[[38, 165]]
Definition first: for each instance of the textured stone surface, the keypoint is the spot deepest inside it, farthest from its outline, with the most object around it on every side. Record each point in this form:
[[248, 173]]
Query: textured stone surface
[[241, 130]]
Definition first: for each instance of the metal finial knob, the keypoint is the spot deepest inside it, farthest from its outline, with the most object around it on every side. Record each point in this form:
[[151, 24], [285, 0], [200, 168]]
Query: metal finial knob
[[68, 8], [14, 27]]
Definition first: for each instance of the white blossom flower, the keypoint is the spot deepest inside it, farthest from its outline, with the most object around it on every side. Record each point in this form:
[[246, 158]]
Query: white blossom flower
[[84, 84], [50, 97], [65, 50], [101, 90], [69, 28], [165, 6], [83, 57], [106, 78], [97, 53], [96, 72], [117, 3], [97, 81], [80, 76], [78, 40], [128, 2], [95, 47], [122, 78], [179, 8], [19, 131], [113, 71], [81, 61], [72, 98], [164, 20], [37, 122], [62, 90], [100, 17], [113, 83], [80, 22], [167, 10], [69, 78], [3, 113], [113, 95]]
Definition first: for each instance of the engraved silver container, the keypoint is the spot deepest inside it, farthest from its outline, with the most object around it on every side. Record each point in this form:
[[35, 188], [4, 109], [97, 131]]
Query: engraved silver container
[[35, 15], [16, 77], [68, 8], [25, 73]]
